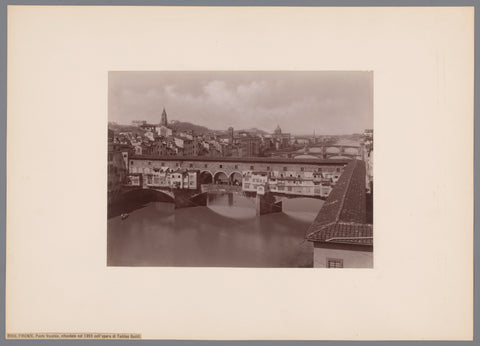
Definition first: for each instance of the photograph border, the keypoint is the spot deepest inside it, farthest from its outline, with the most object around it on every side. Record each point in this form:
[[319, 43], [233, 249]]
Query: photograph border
[[3, 113]]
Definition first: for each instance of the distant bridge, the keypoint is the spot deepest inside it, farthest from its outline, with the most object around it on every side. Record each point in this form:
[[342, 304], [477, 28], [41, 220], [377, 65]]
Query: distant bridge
[[324, 152], [335, 145]]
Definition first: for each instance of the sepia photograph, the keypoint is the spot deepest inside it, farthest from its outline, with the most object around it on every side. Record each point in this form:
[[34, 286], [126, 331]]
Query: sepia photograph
[[240, 169], [194, 172]]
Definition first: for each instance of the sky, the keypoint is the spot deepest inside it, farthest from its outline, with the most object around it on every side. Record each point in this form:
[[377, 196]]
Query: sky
[[329, 103]]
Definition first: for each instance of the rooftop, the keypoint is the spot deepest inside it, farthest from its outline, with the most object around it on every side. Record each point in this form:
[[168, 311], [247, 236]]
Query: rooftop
[[345, 233], [342, 218], [242, 159]]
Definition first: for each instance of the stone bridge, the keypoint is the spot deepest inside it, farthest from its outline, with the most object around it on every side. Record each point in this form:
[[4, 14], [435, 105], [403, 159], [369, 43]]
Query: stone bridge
[[270, 202], [330, 150], [323, 152], [181, 198], [321, 145], [229, 170]]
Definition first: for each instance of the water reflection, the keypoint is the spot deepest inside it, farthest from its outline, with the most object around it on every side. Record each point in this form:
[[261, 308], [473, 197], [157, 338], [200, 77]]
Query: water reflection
[[225, 233]]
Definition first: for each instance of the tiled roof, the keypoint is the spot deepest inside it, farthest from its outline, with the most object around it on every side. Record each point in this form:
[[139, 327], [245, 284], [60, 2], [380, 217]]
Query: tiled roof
[[342, 218], [345, 233]]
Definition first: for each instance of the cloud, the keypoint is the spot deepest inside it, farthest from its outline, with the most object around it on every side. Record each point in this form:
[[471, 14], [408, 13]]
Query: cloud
[[329, 102]]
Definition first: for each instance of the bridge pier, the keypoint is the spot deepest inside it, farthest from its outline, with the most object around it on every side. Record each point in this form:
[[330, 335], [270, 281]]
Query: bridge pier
[[266, 204]]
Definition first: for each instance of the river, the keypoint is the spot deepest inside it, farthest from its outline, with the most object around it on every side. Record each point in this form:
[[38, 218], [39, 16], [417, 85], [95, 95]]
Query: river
[[225, 233]]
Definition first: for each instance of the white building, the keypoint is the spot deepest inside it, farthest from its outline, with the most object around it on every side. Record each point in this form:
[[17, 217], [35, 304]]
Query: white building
[[163, 131], [340, 234], [289, 183]]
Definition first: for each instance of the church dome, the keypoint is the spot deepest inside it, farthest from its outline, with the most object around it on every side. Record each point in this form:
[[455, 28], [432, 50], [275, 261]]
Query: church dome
[[278, 130]]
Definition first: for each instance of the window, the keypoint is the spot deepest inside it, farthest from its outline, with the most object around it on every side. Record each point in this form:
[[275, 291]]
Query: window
[[177, 164], [268, 168], [284, 168], [191, 165], [334, 263], [221, 166], [252, 168], [338, 169], [236, 166], [131, 163], [163, 164], [205, 165], [319, 169], [302, 169], [149, 162]]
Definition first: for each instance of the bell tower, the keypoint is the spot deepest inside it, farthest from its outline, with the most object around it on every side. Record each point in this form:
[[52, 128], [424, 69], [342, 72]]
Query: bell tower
[[164, 121]]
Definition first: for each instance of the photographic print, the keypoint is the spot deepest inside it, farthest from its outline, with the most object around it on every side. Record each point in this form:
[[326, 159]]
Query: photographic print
[[198, 167], [240, 169]]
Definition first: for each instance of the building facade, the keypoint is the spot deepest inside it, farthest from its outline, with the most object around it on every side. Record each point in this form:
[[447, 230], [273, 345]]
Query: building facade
[[280, 140], [117, 171], [296, 183], [341, 236]]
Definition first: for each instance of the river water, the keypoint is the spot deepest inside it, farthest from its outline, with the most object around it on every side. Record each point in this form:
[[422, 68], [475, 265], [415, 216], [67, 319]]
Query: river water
[[225, 233]]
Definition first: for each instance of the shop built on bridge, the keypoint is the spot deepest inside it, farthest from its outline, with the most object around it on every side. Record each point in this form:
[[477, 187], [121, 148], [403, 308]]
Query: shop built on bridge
[[187, 180]]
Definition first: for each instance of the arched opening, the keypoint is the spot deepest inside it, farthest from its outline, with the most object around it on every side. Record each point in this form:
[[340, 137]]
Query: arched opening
[[236, 179], [136, 199], [340, 157], [220, 178], [147, 195], [351, 151], [333, 150], [206, 177]]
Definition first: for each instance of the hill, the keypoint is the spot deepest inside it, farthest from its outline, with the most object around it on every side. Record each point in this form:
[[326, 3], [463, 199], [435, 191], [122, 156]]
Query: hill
[[125, 128], [183, 126]]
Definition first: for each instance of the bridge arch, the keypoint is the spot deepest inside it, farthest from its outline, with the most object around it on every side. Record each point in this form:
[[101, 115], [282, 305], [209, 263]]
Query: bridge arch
[[235, 178], [315, 150], [220, 177], [206, 177], [339, 157], [351, 151], [148, 195], [332, 150], [284, 197]]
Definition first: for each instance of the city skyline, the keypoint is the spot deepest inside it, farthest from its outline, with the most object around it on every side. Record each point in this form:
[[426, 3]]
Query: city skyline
[[329, 103]]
